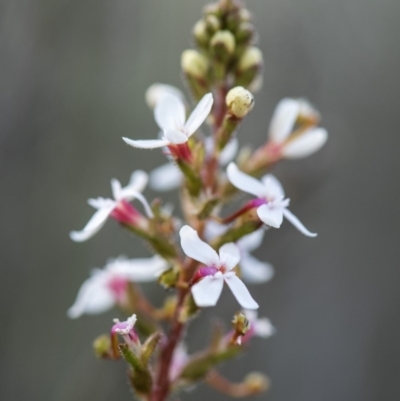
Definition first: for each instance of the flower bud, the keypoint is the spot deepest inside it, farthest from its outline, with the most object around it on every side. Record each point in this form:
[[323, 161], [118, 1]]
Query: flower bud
[[222, 45], [256, 382], [102, 347], [245, 15], [201, 34], [212, 24], [194, 64], [240, 323], [250, 63], [245, 32], [169, 278], [239, 101], [212, 9]]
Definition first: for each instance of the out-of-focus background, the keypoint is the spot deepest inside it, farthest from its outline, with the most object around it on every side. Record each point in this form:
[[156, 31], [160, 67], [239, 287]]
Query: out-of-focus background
[[73, 76]]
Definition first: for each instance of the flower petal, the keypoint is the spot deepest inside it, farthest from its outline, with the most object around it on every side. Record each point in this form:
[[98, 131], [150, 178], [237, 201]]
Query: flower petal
[[93, 297], [197, 249], [240, 291], [170, 113], [271, 216], [263, 327], [157, 91], [306, 144], [165, 178], [138, 180], [146, 144], [229, 152], [93, 226], [297, 223], [244, 181], [116, 189], [254, 271], [138, 270], [251, 242], [229, 255], [175, 137], [283, 119], [143, 201], [208, 290], [273, 188], [199, 114], [214, 229]]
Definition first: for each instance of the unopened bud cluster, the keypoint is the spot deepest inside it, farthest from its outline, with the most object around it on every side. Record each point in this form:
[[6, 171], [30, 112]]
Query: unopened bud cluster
[[225, 40]]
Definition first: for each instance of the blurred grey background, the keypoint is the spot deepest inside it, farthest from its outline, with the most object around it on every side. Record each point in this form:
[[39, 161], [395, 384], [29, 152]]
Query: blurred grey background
[[73, 76]]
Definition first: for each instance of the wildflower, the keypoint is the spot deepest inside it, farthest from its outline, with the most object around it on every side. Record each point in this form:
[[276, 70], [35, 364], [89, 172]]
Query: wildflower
[[109, 286], [169, 114], [119, 208], [270, 202], [252, 270], [127, 331], [288, 142], [209, 279]]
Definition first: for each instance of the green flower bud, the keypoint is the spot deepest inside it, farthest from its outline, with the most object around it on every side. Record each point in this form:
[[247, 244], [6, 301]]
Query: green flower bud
[[250, 63], [212, 24], [200, 33], [251, 58], [169, 278], [194, 64], [239, 101], [212, 9], [222, 45], [102, 346], [245, 32]]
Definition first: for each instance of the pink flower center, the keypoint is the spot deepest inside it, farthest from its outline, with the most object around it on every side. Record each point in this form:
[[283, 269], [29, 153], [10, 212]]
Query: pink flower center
[[181, 152], [126, 214], [205, 271], [118, 287]]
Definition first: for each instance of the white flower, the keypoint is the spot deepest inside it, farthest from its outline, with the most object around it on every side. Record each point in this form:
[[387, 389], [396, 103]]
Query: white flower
[[252, 270], [107, 287], [218, 269], [119, 208], [168, 176], [157, 91], [283, 123], [260, 327], [270, 202], [170, 115]]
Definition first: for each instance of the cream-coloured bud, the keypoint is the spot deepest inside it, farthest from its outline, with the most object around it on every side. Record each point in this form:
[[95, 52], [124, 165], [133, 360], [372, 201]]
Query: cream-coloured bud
[[212, 9], [200, 33], [256, 382], [212, 24], [252, 58], [244, 15], [239, 101], [223, 44], [194, 64]]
